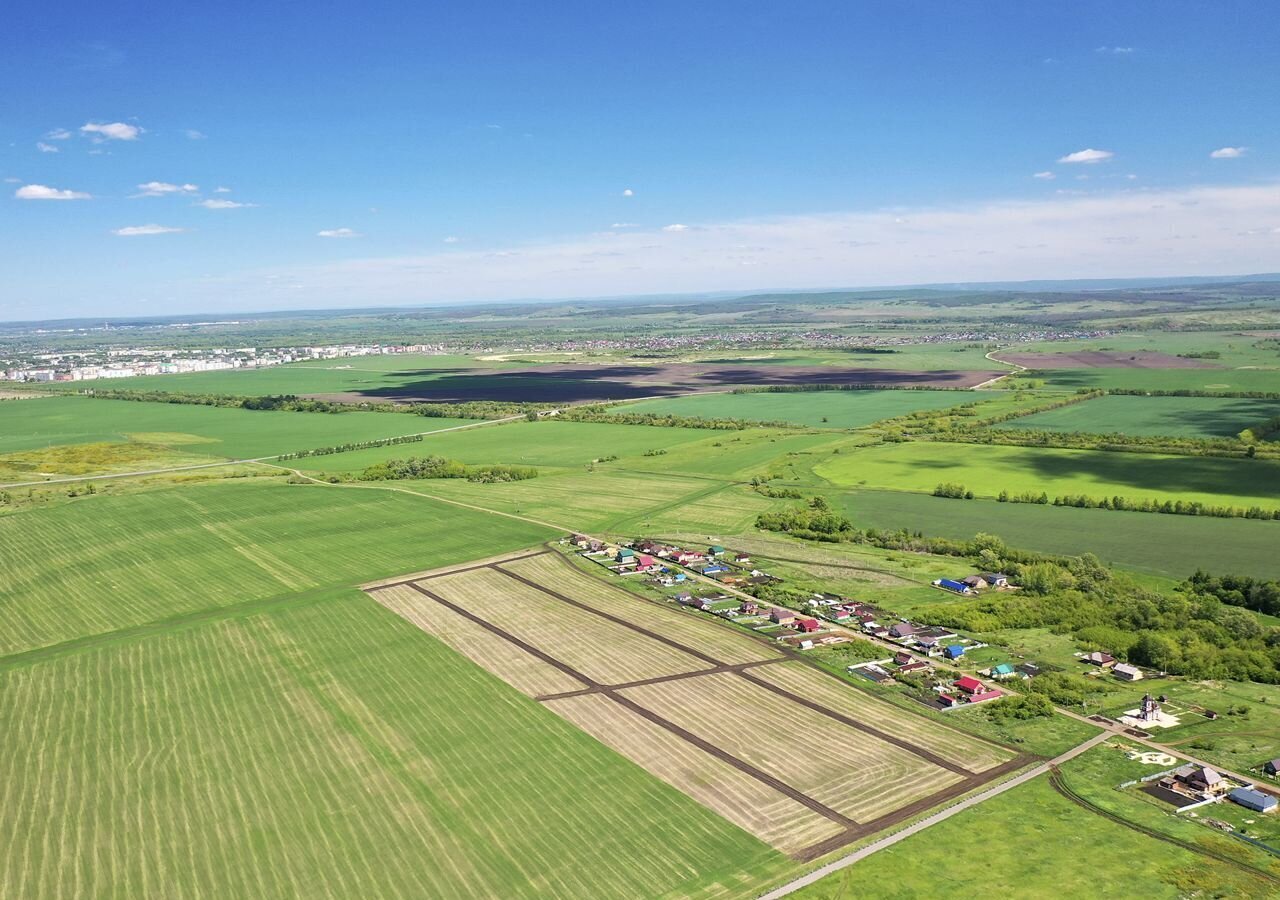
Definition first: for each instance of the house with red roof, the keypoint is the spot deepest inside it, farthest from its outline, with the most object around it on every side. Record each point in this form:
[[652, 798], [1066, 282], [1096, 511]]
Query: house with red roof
[[970, 685], [808, 626], [984, 695]]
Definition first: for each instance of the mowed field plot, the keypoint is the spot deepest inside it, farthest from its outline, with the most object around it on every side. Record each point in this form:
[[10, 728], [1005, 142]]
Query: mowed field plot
[[989, 469], [813, 409], [791, 754], [1195, 417]]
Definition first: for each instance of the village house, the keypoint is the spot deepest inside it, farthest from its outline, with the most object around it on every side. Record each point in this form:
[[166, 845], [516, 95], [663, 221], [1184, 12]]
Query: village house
[[996, 579], [808, 626], [781, 616], [1003, 670], [917, 666], [970, 685], [742, 559], [1272, 767], [902, 657], [955, 651], [1126, 672], [974, 582], [902, 630], [1100, 659]]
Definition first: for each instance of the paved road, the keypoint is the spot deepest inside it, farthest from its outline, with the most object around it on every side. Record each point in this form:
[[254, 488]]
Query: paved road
[[889, 840], [228, 462]]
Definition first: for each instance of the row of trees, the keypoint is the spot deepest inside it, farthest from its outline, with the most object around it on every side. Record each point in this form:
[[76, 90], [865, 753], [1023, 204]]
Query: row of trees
[[603, 413], [353, 445], [441, 467]]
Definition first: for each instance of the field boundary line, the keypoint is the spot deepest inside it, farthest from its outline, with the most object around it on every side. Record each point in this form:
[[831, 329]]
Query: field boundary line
[[662, 679]]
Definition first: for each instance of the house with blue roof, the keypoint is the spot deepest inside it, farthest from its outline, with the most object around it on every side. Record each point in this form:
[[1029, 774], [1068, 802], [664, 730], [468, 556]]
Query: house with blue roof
[[954, 651], [948, 584], [1251, 798]]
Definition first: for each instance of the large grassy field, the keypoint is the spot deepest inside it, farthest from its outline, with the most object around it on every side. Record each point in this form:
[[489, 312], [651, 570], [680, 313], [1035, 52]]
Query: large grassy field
[[986, 470], [544, 443], [1031, 842], [328, 749], [815, 409], [101, 564], [1158, 544], [205, 430], [1196, 417], [1225, 380]]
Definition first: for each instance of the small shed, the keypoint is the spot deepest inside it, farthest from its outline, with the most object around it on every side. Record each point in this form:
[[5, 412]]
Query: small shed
[[1272, 766], [1253, 799]]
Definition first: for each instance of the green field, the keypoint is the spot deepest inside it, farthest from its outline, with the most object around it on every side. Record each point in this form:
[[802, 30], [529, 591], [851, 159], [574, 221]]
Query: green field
[[327, 749], [544, 443], [102, 564], [1195, 417], [1031, 842], [814, 409], [1223, 380], [1146, 542], [229, 433], [988, 469]]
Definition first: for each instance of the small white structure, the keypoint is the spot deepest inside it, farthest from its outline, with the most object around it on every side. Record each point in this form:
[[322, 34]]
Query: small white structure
[[1126, 672]]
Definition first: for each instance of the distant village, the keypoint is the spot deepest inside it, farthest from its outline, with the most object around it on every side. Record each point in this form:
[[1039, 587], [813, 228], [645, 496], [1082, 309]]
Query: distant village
[[89, 366]]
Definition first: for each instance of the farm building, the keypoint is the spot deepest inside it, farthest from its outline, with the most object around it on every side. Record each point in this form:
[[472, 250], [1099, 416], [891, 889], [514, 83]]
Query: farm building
[[955, 651], [872, 672], [975, 582], [1253, 799], [918, 666], [948, 584], [781, 616], [1272, 767], [1126, 672], [742, 559], [984, 696], [715, 550], [996, 579]]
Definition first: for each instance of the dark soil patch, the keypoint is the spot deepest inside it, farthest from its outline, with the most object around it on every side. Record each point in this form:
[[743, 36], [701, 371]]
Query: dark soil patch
[[1103, 359], [575, 383]]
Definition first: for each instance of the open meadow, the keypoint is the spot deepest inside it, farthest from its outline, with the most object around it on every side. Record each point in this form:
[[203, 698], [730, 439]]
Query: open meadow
[[811, 409], [31, 428], [1155, 379], [989, 469], [1193, 417]]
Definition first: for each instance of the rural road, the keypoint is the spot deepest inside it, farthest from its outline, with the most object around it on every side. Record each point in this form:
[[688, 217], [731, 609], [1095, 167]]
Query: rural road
[[889, 840], [229, 462]]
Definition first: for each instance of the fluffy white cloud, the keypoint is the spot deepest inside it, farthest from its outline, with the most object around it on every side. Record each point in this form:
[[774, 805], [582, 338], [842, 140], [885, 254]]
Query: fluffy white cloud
[[46, 148], [222, 190], [628, 193], [43, 192], [675, 227], [138, 230], [161, 188], [624, 225], [1228, 153], [1045, 176], [193, 135], [58, 134], [451, 239], [1115, 51], [223, 204], [338, 233], [111, 131], [1087, 156]]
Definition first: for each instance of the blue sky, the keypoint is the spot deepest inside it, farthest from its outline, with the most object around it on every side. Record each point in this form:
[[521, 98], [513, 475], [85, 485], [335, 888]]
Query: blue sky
[[485, 150]]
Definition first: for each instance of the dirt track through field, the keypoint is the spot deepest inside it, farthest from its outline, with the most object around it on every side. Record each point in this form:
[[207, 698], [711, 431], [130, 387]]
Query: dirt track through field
[[850, 829]]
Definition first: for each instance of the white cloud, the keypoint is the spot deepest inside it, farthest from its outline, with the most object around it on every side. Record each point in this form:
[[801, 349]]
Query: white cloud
[[628, 193], [338, 233], [223, 204], [138, 230], [111, 131], [222, 190], [1045, 176], [1115, 51], [624, 225], [1194, 231], [451, 240], [41, 192], [46, 148], [675, 227], [1088, 156], [161, 188], [58, 134], [1228, 153], [193, 135]]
